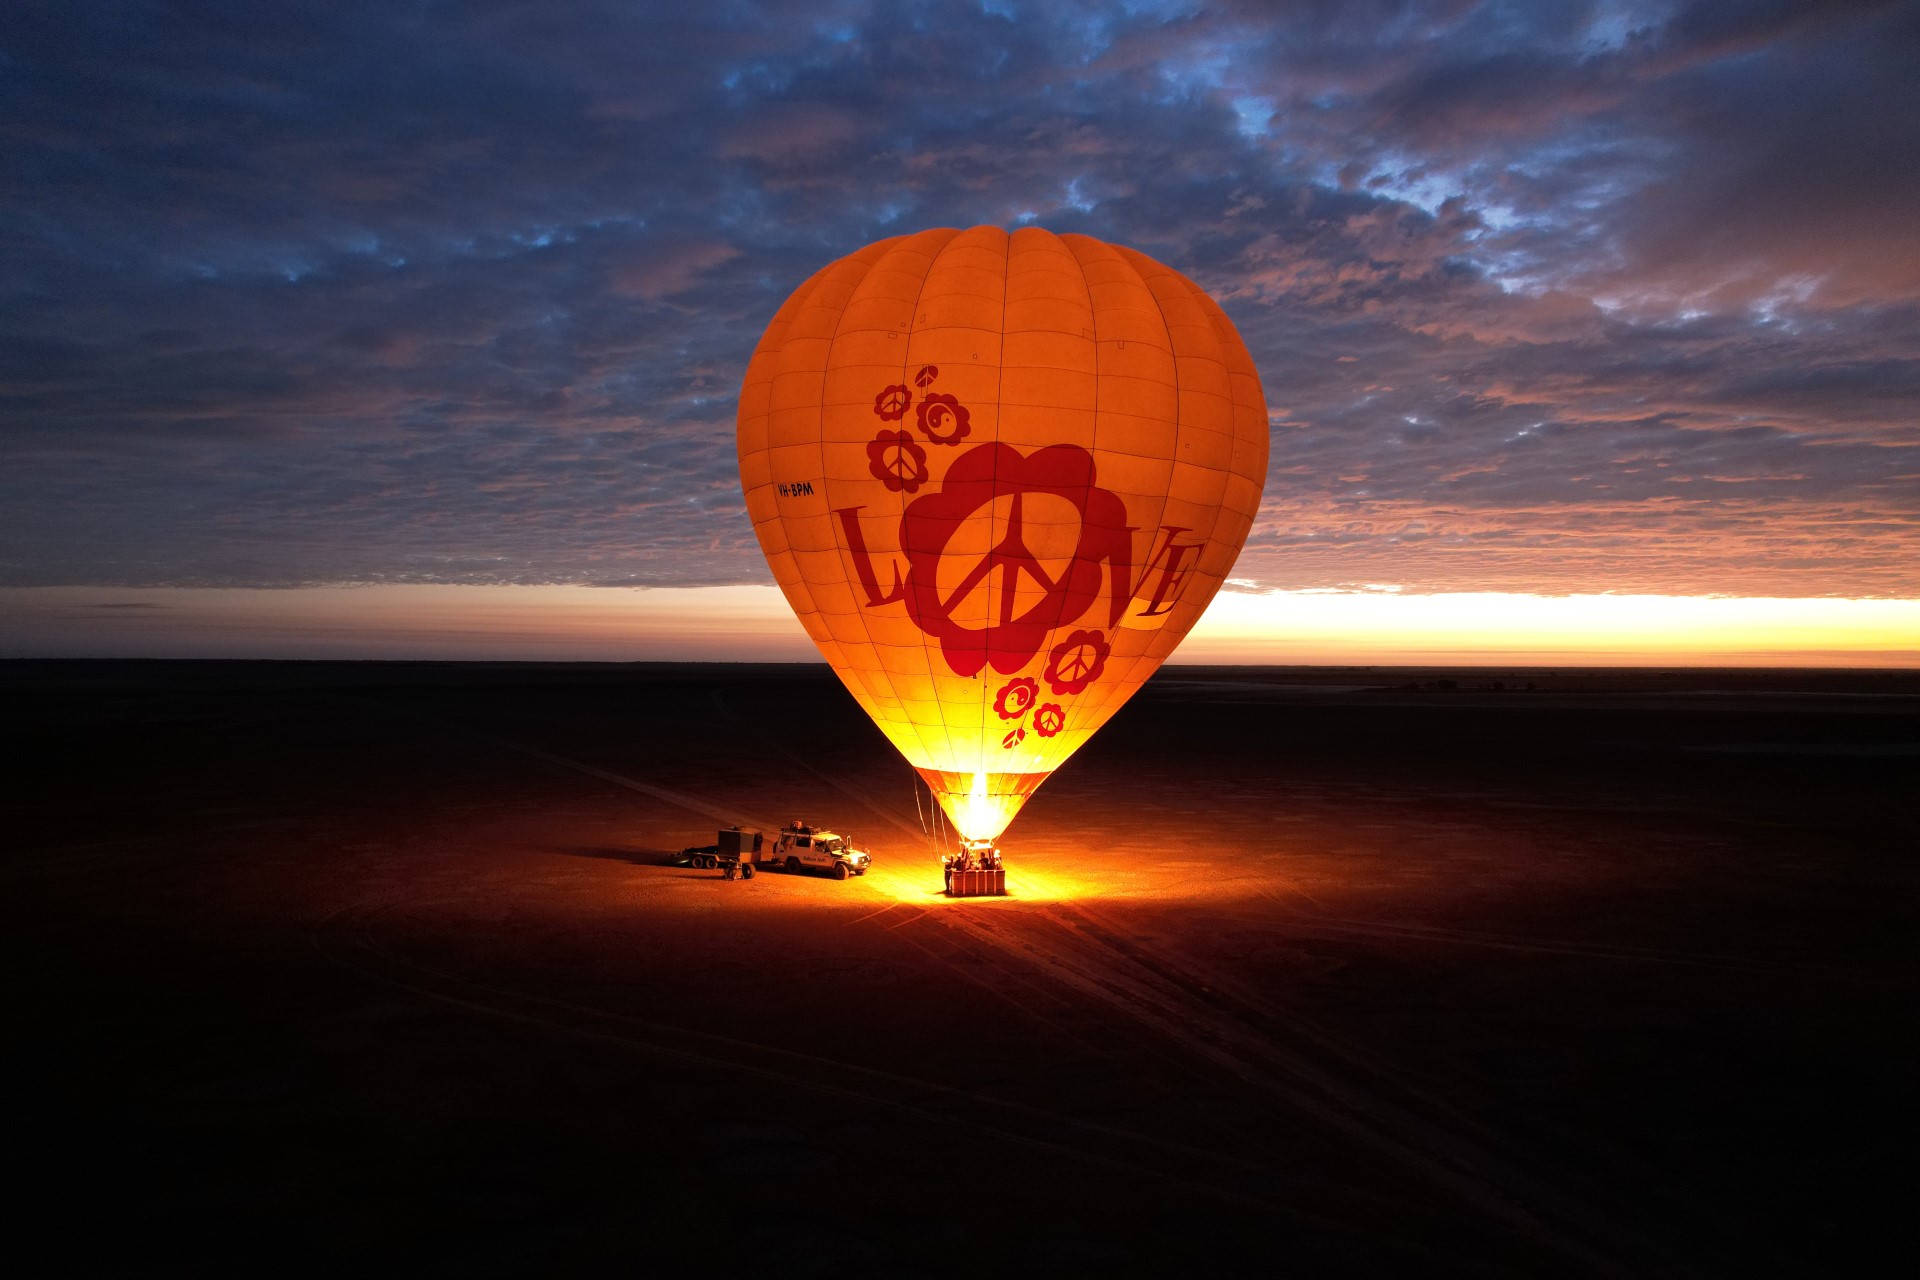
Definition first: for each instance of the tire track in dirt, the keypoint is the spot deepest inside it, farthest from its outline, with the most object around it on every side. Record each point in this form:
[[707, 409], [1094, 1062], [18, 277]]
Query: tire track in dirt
[[1359, 1108], [347, 939], [1393, 1109]]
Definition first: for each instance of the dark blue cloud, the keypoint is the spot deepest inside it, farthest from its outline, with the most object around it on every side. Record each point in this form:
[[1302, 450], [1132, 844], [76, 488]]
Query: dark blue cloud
[[1546, 296]]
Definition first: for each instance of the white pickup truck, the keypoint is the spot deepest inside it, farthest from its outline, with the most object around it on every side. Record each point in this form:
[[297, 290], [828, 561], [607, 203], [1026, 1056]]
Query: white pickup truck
[[801, 847]]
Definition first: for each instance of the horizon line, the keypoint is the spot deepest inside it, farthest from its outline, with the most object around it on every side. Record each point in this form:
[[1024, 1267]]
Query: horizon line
[[753, 624]]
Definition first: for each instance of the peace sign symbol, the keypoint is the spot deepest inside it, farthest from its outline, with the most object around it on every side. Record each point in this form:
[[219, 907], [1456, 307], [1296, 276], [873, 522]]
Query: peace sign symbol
[[1011, 557], [978, 477], [1077, 662]]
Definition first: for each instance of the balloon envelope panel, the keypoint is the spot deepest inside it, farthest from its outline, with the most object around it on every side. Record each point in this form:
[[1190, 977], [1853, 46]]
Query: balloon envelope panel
[[999, 476]]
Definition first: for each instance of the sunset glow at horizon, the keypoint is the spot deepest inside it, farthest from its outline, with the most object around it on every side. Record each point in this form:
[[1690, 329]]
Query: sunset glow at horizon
[[754, 624]]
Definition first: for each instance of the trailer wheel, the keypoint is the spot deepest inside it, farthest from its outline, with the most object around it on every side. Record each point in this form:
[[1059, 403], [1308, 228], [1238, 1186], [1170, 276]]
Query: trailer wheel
[[840, 871], [746, 871], [793, 866]]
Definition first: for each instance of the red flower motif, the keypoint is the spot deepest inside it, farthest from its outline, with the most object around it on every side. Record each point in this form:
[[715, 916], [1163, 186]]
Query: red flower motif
[[896, 460], [1016, 696], [892, 403], [928, 372], [943, 419], [1077, 662], [1049, 720]]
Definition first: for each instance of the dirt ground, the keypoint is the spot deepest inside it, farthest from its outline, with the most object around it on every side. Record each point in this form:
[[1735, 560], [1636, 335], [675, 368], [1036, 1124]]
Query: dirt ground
[[326, 967]]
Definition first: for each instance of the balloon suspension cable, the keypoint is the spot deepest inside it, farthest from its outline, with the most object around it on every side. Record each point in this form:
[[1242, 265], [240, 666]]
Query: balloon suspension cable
[[933, 839], [921, 813]]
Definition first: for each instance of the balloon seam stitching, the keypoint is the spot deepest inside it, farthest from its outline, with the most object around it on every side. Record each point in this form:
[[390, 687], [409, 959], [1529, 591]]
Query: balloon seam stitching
[[999, 386], [839, 324], [913, 320], [1093, 313]]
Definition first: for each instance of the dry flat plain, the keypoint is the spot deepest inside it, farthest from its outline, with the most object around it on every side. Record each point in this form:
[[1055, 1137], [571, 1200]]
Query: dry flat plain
[[354, 967]]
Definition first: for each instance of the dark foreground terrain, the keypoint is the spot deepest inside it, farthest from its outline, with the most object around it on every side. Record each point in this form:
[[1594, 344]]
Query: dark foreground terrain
[[368, 968]]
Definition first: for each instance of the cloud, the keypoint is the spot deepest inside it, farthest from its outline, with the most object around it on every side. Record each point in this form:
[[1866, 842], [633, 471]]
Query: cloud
[[662, 270], [1558, 297], [790, 133]]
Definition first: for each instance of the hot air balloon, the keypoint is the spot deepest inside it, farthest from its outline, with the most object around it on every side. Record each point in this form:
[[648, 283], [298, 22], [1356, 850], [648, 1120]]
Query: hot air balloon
[[999, 475]]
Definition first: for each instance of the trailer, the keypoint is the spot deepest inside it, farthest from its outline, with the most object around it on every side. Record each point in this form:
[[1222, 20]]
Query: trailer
[[733, 853]]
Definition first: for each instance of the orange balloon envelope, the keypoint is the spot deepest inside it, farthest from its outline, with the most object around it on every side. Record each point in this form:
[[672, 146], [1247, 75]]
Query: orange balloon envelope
[[999, 476]]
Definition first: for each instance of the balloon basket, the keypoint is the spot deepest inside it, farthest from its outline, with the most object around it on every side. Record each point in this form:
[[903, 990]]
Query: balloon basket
[[978, 883]]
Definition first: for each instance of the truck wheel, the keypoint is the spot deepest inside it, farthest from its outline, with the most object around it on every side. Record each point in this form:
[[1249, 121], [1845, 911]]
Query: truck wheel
[[793, 866], [840, 871]]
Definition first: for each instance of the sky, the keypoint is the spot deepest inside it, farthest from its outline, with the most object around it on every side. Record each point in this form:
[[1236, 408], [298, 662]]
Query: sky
[[1550, 301]]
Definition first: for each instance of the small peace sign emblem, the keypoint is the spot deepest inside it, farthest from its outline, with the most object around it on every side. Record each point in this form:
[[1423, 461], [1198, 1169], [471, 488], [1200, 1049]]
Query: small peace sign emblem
[[1077, 662]]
